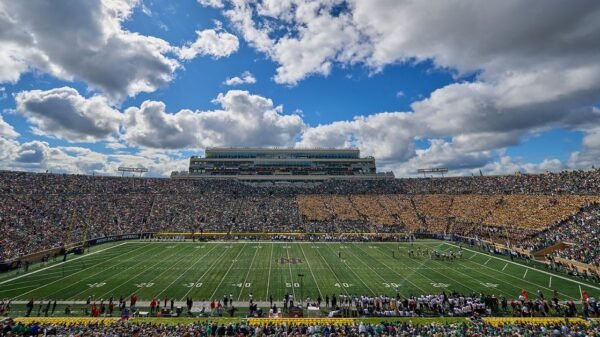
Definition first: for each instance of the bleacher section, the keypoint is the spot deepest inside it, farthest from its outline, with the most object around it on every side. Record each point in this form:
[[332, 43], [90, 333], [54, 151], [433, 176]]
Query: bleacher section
[[42, 211]]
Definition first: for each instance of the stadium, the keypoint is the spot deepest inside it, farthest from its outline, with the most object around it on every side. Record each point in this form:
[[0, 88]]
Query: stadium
[[347, 246], [337, 168]]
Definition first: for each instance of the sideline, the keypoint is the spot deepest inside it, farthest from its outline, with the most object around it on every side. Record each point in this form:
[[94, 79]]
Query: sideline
[[524, 266], [61, 263]]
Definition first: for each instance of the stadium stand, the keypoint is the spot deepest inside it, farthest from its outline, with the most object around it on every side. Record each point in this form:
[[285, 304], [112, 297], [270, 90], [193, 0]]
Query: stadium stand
[[331, 327], [42, 211]]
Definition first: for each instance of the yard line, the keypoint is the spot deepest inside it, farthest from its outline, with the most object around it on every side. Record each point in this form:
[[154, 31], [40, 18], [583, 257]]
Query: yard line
[[92, 266], [61, 263], [111, 276], [486, 262], [538, 270], [164, 271], [505, 267], [393, 271], [206, 272], [550, 282], [24, 287], [248, 273], [269, 278], [472, 256], [517, 278], [376, 273], [190, 267], [291, 277], [311, 271], [526, 270], [359, 278], [508, 283], [435, 270], [227, 272], [339, 282], [464, 274]]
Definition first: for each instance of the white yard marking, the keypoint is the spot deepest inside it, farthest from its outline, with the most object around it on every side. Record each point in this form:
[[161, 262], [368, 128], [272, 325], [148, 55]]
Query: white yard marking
[[511, 275], [227, 272], [192, 285], [144, 285], [538, 270], [269, 277], [340, 285], [184, 256], [391, 285], [61, 263], [506, 265], [248, 272], [486, 262], [205, 272], [291, 276], [188, 268], [550, 282], [113, 275], [489, 285], [359, 278], [526, 270], [96, 285], [439, 285], [331, 270], [311, 272], [24, 287], [458, 271], [92, 266], [395, 272]]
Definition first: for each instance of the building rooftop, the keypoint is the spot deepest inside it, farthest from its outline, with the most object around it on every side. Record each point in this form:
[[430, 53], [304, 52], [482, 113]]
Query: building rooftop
[[276, 149]]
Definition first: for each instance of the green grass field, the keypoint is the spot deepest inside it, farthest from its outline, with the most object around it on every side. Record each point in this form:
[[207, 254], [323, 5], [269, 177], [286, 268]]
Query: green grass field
[[210, 270]]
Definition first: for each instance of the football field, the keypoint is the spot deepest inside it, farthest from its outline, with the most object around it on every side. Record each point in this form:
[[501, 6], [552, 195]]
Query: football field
[[210, 270]]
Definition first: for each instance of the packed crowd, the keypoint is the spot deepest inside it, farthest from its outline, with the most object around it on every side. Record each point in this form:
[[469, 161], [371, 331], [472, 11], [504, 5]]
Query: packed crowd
[[43, 211], [493, 216], [567, 182], [580, 233], [352, 328]]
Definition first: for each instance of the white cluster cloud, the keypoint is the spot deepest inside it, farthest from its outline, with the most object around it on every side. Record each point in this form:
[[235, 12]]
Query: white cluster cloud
[[65, 114], [530, 75], [212, 3], [85, 41], [245, 78], [243, 118], [39, 156], [211, 42], [465, 35], [7, 130], [463, 143]]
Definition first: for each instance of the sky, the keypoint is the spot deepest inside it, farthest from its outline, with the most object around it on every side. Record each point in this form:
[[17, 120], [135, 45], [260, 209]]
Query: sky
[[498, 87]]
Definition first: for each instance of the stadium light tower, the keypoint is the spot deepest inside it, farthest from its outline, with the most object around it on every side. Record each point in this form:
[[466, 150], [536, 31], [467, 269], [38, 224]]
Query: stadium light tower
[[140, 170], [441, 170]]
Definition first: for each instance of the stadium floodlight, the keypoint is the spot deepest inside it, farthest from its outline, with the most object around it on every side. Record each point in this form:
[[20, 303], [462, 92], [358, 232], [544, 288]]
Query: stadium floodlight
[[140, 170], [440, 170]]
